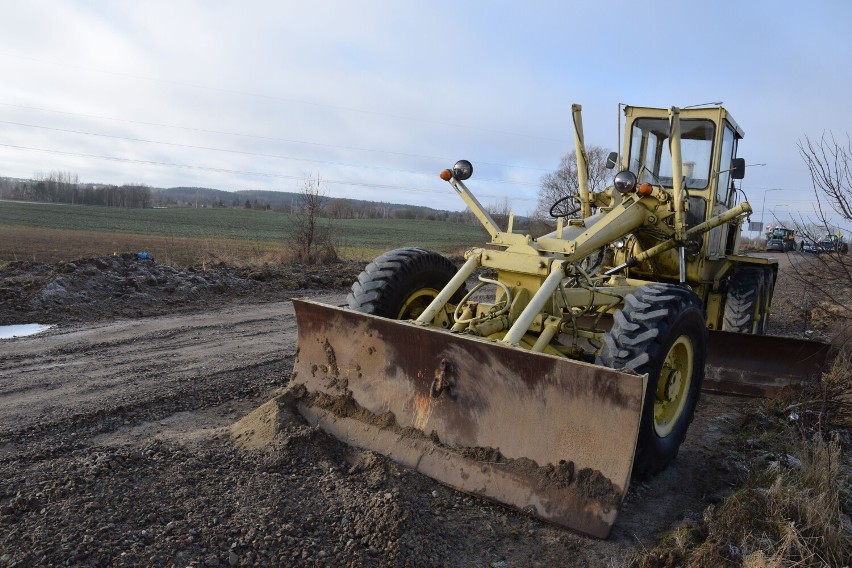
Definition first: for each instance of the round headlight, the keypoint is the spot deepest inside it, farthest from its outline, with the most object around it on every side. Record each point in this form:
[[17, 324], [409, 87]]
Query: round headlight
[[625, 181], [462, 170]]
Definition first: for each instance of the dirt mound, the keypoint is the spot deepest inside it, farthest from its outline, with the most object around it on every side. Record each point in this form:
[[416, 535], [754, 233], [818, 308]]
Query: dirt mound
[[260, 427], [125, 285]]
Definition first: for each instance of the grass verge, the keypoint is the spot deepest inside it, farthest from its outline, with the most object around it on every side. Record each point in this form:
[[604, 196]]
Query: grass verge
[[63, 245], [794, 504]]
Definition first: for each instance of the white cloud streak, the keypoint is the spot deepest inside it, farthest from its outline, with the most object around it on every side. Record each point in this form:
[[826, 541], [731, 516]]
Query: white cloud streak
[[399, 90]]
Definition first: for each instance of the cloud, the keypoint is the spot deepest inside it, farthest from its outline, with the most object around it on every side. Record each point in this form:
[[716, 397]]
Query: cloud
[[388, 94]]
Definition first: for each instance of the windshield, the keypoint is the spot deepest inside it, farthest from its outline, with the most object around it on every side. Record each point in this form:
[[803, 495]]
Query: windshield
[[651, 160]]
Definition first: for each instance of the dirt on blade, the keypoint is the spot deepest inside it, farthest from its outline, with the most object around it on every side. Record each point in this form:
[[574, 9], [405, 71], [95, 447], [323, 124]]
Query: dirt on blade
[[122, 444]]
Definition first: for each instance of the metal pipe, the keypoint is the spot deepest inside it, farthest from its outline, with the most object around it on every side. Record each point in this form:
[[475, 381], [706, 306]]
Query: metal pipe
[[677, 174], [623, 219], [451, 288], [475, 207], [546, 336], [618, 130], [467, 314], [582, 161], [677, 187], [699, 229], [536, 305]]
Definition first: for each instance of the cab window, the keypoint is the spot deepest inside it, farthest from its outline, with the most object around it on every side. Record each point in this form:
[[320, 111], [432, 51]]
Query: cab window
[[650, 158], [729, 151]]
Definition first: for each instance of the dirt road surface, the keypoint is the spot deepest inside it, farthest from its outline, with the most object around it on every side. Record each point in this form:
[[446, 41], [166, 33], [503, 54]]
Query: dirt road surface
[[115, 449], [118, 445]]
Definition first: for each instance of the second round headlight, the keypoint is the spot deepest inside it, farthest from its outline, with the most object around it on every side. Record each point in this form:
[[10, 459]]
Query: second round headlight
[[625, 181]]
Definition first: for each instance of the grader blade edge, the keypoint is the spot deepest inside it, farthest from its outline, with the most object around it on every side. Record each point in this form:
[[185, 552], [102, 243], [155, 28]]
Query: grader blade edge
[[549, 436], [762, 365]]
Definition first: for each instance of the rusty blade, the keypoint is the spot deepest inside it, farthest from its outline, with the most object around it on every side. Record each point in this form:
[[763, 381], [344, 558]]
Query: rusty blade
[[761, 365], [547, 435]]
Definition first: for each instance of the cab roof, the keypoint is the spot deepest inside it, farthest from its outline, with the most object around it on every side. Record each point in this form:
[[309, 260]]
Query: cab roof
[[715, 113]]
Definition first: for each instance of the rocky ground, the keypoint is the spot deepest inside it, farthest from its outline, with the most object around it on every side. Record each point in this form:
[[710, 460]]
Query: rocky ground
[[124, 439]]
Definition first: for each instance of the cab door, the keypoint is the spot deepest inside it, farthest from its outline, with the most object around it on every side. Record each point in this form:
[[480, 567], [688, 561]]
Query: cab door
[[725, 195]]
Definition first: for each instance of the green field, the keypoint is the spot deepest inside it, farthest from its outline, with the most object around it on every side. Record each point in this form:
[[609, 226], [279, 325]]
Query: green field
[[50, 233]]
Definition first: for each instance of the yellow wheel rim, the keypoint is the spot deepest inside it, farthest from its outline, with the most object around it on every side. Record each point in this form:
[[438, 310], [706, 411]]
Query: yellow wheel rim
[[415, 303], [673, 385]]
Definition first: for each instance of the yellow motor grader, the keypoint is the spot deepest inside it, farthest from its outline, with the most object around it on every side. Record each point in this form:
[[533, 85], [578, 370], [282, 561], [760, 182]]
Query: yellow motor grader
[[575, 359]]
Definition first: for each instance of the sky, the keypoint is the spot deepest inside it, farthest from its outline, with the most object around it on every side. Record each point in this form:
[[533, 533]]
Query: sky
[[376, 98]]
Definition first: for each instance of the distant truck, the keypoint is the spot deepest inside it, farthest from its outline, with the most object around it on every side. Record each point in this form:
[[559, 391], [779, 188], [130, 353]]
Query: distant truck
[[780, 239]]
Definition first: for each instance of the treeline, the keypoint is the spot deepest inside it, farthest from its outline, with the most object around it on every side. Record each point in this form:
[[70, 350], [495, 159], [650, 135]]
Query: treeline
[[341, 208], [63, 187], [288, 202]]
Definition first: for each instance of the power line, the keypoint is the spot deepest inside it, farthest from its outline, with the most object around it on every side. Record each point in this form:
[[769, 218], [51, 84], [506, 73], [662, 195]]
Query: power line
[[245, 153], [271, 138], [249, 173], [797, 189], [280, 98]]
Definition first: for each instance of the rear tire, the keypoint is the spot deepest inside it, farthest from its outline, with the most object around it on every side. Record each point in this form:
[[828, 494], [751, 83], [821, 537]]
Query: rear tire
[[400, 284], [747, 301], [660, 331]]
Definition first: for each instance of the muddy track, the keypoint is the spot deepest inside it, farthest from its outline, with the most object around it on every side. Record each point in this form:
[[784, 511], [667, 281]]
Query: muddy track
[[147, 365], [114, 450]]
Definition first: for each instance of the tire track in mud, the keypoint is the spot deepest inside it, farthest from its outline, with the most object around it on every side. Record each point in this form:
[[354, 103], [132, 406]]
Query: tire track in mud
[[73, 378]]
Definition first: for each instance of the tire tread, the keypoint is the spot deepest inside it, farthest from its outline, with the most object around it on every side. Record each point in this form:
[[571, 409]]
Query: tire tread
[[382, 281], [635, 342]]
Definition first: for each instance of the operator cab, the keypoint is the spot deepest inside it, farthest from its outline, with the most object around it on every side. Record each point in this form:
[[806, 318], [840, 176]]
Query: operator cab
[[649, 157], [709, 140]]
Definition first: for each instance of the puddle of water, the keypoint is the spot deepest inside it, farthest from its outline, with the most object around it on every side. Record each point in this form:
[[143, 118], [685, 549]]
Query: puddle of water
[[10, 331]]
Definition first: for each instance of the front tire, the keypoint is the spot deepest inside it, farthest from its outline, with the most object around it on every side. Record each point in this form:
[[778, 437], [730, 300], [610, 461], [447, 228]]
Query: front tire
[[660, 331], [400, 284]]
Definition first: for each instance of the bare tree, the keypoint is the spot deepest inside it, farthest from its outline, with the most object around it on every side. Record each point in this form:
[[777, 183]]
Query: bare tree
[[311, 240], [499, 211], [830, 165], [829, 162], [564, 181], [56, 187]]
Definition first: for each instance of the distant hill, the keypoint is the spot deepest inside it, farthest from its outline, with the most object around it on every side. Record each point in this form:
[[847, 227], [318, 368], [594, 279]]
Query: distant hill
[[63, 188], [279, 200]]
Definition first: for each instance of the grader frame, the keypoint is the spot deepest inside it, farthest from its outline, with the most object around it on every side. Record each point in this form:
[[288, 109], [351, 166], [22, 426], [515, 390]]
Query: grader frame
[[706, 266], [586, 366]]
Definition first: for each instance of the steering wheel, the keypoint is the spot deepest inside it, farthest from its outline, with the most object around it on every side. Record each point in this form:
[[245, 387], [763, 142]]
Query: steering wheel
[[564, 207]]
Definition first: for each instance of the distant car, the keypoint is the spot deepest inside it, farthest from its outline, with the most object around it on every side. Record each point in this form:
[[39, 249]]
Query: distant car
[[827, 246], [774, 245], [810, 246]]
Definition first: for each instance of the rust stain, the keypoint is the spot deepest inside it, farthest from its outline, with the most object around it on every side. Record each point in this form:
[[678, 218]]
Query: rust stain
[[422, 410]]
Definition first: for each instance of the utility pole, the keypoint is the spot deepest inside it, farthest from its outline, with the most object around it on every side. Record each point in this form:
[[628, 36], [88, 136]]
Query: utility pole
[[763, 207]]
